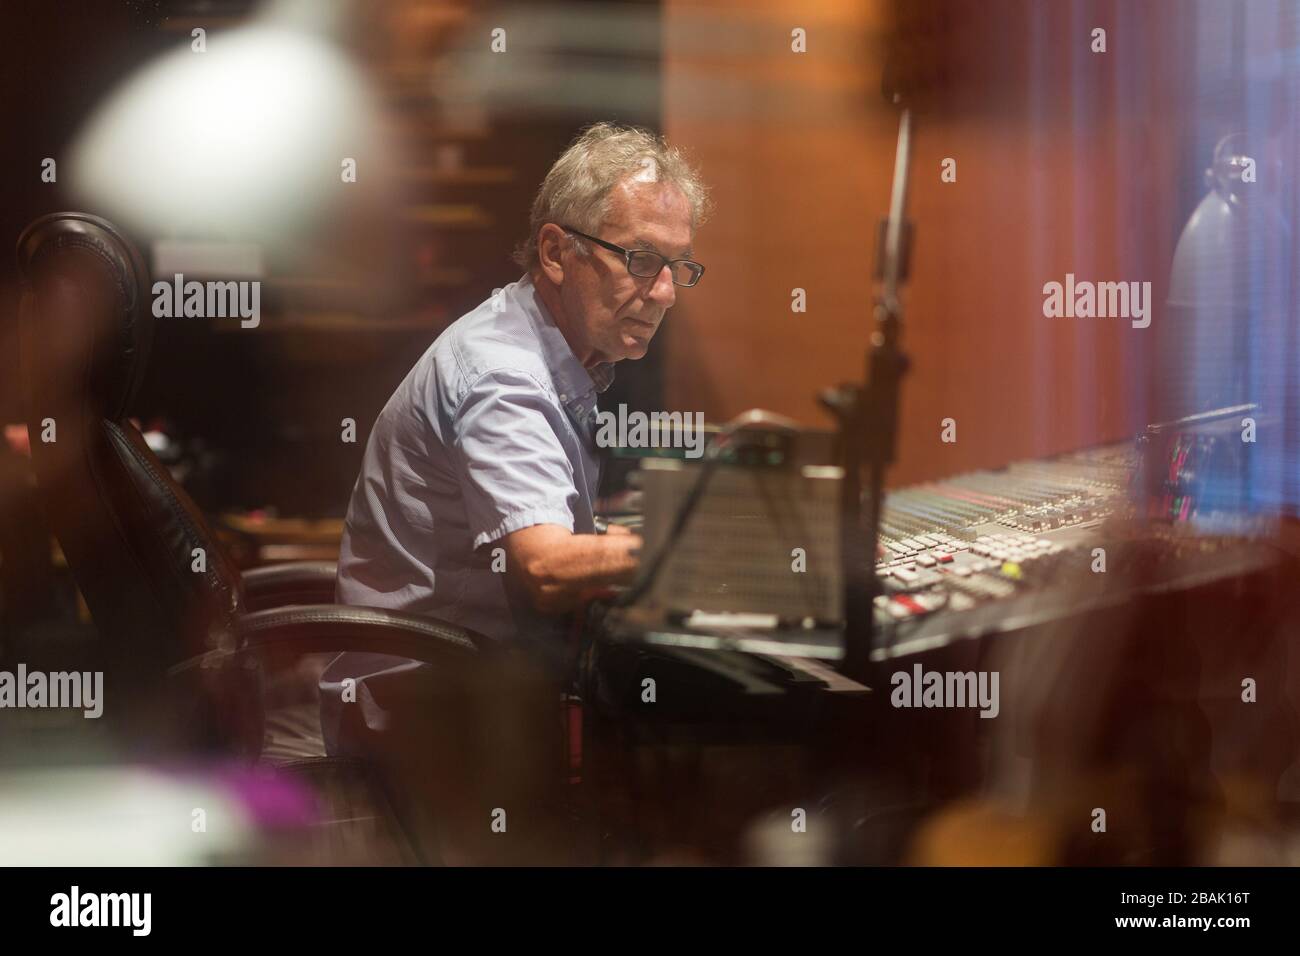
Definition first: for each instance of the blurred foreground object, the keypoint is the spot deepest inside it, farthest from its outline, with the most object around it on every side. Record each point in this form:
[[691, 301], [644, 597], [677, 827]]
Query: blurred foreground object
[[133, 816], [245, 137], [1230, 305]]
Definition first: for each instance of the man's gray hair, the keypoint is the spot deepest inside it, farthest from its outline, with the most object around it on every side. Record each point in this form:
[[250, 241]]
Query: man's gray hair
[[576, 190]]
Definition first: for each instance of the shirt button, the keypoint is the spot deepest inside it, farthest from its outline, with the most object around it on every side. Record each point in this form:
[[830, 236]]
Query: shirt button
[[564, 398]]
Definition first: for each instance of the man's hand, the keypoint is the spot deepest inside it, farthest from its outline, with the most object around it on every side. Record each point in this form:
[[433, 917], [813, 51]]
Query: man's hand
[[558, 567]]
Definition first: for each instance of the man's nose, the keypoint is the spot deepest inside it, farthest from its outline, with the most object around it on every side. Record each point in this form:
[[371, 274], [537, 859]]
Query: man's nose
[[663, 293]]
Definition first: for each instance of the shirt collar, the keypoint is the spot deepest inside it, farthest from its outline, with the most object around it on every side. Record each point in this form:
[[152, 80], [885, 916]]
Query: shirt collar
[[571, 378]]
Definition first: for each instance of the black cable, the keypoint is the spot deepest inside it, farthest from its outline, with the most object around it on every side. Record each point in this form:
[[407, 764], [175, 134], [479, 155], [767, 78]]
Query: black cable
[[638, 590], [748, 420]]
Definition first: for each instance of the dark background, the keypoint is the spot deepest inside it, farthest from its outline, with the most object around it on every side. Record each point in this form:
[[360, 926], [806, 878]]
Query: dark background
[[262, 409]]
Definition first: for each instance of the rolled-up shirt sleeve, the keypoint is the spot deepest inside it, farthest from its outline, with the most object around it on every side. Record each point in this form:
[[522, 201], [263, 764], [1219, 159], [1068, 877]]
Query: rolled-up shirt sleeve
[[514, 470]]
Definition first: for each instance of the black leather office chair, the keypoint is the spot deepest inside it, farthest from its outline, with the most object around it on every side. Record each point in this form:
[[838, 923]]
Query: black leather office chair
[[188, 638]]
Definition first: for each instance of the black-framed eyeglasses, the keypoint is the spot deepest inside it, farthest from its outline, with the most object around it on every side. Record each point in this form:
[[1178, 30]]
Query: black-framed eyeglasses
[[645, 264]]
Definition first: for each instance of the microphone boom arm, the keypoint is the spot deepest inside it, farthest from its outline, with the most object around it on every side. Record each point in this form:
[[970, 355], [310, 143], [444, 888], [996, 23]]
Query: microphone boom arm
[[868, 417]]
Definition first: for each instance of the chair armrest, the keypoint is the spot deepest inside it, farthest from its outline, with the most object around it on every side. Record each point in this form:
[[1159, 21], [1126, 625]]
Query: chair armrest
[[225, 680], [294, 582], [330, 628]]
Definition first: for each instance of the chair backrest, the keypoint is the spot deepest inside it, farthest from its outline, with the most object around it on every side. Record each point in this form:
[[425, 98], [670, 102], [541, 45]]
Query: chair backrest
[[156, 581]]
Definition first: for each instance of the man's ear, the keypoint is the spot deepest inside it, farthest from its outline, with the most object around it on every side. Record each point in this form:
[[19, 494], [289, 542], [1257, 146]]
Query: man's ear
[[550, 244]]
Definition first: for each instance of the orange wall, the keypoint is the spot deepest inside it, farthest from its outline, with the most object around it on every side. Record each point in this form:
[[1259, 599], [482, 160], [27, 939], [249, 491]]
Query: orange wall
[[1056, 172]]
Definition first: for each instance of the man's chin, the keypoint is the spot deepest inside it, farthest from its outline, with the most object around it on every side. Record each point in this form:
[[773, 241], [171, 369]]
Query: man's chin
[[634, 346], [634, 349]]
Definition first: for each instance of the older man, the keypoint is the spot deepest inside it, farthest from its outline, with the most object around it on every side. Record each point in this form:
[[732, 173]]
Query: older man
[[475, 501]]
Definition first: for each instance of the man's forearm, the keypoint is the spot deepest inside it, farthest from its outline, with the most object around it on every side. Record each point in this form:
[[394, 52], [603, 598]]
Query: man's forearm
[[559, 567]]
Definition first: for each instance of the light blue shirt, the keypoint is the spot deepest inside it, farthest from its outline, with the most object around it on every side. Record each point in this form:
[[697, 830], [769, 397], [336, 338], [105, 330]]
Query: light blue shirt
[[492, 431]]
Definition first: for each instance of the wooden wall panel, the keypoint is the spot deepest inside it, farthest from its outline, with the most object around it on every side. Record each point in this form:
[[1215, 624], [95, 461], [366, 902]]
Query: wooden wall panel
[[1067, 161]]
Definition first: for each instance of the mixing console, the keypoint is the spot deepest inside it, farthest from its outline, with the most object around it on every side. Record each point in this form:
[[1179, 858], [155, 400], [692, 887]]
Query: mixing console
[[972, 555], [988, 551], [978, 534]]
